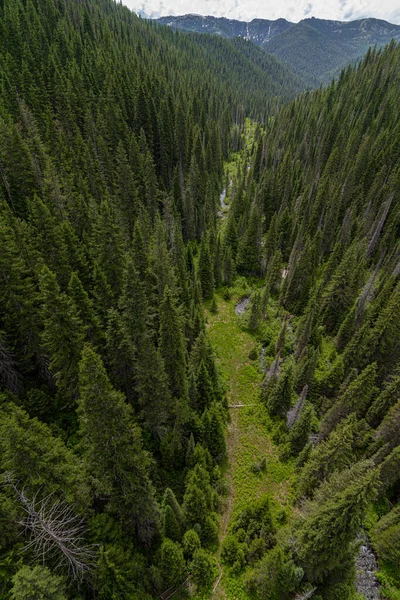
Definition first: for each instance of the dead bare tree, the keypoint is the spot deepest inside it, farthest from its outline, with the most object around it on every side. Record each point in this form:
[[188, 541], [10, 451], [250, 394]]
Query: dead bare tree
[[54, 530], [366, 292], [295, 412], [377, 228]]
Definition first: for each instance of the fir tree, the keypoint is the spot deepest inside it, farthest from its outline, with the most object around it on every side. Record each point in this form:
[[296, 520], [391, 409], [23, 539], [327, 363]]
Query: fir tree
[[62, 336], [280, 398], [213, 432], [206, 275], [204, 388], [249, 252], [113, 449], [172, 564], [172, 346], [300, 432], [335, 516]]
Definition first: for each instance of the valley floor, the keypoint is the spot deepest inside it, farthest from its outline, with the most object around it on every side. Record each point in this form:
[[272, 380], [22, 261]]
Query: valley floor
[[248, 434]]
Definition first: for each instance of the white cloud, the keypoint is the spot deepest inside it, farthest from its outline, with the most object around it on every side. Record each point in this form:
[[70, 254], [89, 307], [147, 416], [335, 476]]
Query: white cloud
[[293, 10]]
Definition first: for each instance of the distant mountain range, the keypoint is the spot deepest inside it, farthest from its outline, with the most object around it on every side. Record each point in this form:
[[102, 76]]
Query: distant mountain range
[[317, 48]]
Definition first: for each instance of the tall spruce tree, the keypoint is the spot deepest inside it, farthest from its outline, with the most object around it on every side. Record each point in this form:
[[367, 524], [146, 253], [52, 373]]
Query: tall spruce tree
[[113, 450]]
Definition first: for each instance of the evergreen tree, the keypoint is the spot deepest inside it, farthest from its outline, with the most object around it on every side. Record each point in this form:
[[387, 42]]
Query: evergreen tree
[[213, 432], [84, 309], [133, 303], [249, 252], [62, 336], [275, 576], [206, 274], [158, 408], [172, 346], [204, 388], [386, 399], [300, 432], [38, 583], [172, 564], [341, 291], [356, 398], [280, 398], [333, 454], [203, 569], [386, 536], [113, 449], [37, 459], [336, 517]]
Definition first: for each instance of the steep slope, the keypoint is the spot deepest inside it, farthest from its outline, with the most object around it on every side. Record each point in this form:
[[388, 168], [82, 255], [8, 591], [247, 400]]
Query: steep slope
[[322, 48], [257, 31], [317, 215], [259, 78], [310, 51], [317, 48]]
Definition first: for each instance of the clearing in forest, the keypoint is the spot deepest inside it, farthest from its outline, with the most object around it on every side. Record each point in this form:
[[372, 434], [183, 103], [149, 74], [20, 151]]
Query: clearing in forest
[[248, 433]]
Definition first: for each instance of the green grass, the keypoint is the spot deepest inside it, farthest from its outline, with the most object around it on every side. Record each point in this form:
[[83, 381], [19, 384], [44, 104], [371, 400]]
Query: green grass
[[249, 432]]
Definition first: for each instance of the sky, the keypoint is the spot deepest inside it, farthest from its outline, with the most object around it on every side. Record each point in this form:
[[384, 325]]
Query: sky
[[292, 10]]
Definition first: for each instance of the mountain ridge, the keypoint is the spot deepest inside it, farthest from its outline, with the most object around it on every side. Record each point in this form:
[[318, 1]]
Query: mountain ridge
[[318, 48]]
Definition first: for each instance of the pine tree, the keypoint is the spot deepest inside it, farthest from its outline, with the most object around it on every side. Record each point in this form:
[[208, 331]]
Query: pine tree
[[38, 583], [121, 355], [84, 309], [203, 351], [332, 521], [275, 576], [37, 459], [213, 305], [204, 389], [386, 537], [133, 303], [139, 253], [273, 277], [107, 247], [158, 408], [231, 241], [113, 449], [206, 274], [172, 564], [213, 432], [280, 398], [172, 346], [62, 336], [300, 432], [386, 399], [125, 189], [333, 454], [190, 458], [203, 568], [300, 277], [197, 501], [249, 252], [343, 286], [356, 398]]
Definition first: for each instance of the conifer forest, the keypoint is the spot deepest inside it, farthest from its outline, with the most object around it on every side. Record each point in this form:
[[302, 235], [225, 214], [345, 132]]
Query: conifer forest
[[199, 315]]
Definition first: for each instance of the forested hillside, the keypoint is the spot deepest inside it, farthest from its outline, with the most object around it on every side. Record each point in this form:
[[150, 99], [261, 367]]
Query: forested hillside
[[317, 216], [316, 48], [120, 263]]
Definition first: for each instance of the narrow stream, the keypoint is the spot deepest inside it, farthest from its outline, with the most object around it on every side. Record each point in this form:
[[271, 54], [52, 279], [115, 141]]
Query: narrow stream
[[241, 306], [366, 565]]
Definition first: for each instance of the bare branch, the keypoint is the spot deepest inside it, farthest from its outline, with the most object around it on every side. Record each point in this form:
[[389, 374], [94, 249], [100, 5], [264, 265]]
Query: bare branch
[[54, 529]]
